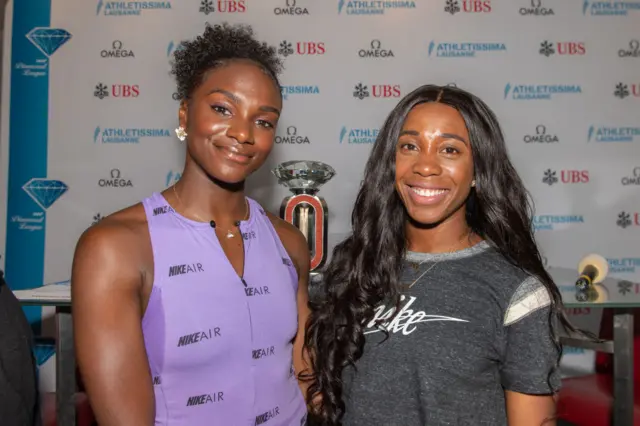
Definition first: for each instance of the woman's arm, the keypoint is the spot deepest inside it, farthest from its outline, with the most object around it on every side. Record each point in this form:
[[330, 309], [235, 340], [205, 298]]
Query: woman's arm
[[105, 285], [530, 410], [529, 374]]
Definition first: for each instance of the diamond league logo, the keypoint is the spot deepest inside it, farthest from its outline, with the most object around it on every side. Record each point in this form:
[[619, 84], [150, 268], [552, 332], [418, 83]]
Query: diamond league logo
[[48, 40], [45, 192]]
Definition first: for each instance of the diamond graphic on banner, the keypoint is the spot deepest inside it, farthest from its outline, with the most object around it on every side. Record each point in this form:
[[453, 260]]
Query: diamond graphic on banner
[[45, 192], [43, 352], [48, 40]]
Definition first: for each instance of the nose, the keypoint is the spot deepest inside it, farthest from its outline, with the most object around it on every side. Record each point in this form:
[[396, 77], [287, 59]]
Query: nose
[[427, 163], [241, 130]]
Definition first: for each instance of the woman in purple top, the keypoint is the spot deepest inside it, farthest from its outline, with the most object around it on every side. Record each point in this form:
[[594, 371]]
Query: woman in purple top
[[189, 307]]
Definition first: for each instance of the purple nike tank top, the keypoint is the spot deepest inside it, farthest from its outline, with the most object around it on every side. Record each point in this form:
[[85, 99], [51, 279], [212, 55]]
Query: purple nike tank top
[[220, 351]]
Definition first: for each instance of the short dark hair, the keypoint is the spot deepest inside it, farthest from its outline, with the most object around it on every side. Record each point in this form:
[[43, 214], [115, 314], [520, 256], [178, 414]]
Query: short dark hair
[[215, 47]]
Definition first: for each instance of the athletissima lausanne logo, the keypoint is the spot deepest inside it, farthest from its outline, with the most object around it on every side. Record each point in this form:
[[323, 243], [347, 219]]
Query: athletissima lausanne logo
[[463, 49], [129, 8], [372, 7], [531, 92], [609, 8]]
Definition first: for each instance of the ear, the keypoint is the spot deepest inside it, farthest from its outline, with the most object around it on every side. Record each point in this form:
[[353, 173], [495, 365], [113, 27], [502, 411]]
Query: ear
[[182, 114]]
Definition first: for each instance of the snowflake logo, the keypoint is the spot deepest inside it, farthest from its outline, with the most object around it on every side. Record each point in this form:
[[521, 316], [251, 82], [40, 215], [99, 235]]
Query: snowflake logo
[[206, 7], [361, 91], [97, 218], [622, 90], [452, 7], [624, 220], [546, 49], [549, 177], [101, 91], [624, 287], [285, 49]]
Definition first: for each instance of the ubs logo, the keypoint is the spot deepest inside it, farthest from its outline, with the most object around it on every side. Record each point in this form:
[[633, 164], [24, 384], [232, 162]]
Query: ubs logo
[[623, 90], [541, 136], [626, 219], [302, 48], [102, 91], [361, 91], [96, 218], [223, 6], [468, 6], [566, 176], [572, 48]]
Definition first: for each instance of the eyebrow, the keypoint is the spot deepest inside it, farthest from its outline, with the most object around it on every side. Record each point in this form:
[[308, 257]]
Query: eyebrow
[[235, 99], [442, 135]]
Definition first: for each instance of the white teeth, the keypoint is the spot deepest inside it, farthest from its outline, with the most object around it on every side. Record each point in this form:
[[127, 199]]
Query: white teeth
[[428, 192]]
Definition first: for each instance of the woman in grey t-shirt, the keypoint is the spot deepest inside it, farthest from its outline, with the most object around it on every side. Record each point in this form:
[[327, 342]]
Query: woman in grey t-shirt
[[437, 310]]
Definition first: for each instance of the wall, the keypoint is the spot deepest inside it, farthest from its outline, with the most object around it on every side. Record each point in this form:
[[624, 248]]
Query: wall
[[562, 77]]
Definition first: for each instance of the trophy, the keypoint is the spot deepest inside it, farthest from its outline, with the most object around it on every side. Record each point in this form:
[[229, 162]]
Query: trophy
[[304, 209]]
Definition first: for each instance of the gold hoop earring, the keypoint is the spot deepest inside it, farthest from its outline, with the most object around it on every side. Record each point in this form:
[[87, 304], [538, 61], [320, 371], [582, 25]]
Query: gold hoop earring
[[181, 133]]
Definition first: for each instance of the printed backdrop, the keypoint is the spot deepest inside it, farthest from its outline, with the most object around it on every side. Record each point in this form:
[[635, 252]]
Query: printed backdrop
[[89, 112]]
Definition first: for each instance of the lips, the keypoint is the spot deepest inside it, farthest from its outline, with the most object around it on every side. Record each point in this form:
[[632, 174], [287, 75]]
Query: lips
[[232, 153], [427, 196]]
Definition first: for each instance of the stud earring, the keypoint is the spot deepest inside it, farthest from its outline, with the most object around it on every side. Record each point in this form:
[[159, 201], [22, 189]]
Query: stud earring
[[180, 132], [473, 182]]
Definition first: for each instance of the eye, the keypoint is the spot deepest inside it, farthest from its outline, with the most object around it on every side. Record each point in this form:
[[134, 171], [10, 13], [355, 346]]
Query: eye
[[265, 124], [451, 150], [220, 110], [407, 146]]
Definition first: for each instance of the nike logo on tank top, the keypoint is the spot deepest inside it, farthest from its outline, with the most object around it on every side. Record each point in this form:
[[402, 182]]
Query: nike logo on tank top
[[220, 349]]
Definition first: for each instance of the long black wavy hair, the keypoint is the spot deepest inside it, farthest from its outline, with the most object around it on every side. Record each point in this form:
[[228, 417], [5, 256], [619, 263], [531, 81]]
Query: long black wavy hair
[[365, 268]]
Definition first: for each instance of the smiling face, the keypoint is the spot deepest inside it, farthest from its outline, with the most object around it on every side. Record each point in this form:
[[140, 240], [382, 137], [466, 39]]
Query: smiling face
[[434, 164], [230, 120]]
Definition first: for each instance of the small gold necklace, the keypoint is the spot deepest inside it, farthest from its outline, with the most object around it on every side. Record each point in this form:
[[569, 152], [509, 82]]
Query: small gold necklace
[[230, 233], [438, 261]]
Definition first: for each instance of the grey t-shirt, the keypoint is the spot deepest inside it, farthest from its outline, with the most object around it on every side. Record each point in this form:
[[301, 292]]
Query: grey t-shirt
[[470, 328]]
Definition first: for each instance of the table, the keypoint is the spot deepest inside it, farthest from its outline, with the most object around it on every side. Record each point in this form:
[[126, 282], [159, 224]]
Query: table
[[621, 296], [60, 297]]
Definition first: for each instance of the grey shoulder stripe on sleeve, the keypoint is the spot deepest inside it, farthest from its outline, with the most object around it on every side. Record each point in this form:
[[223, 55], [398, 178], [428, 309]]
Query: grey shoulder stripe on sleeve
[[530, 296]]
